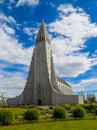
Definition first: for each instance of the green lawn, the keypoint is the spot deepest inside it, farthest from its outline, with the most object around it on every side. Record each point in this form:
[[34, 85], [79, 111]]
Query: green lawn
[[58, 125], [15, 110]]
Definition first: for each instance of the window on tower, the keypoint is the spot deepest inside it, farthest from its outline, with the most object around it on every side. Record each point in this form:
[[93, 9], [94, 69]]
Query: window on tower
[[37, 40], [42, 38], [39, 91]]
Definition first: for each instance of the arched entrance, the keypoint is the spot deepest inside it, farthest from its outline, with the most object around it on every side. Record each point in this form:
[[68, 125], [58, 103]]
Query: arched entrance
[[39, 102], [39, 95]]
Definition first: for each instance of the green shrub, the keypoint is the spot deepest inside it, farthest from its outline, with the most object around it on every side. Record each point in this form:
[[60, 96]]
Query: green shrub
[[96, 112], [51, 107], [67, 106], [90, 107], [6, 117], [31, 114], [59, 112], [78, 112]]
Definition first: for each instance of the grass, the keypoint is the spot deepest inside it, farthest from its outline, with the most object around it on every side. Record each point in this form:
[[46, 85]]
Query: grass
[[49, 123], [45, 115], [15, 110], [58, 125]]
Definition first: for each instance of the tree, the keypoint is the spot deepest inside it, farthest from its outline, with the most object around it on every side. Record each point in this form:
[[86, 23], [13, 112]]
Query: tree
[[91, 98]]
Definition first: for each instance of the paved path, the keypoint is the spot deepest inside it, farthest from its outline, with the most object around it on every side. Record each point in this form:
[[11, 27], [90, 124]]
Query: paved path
[[44, 107]]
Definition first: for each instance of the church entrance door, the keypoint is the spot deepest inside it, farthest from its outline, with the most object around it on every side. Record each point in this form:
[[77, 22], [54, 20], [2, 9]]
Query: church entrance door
[[39, 102]]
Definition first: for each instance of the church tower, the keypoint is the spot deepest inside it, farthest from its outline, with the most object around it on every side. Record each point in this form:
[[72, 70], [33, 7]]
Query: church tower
[[42, 86], [38, 89]]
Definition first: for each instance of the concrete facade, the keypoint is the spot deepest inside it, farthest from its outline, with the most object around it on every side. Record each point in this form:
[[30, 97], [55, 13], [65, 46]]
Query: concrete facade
[[42, 86]]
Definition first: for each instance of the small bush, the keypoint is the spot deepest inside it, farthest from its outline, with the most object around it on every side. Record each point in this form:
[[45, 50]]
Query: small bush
[[78, 112], [6, 117], [59, 113], [67, 106], [51, 107], [90, 107], [31, 114], [96, 112]]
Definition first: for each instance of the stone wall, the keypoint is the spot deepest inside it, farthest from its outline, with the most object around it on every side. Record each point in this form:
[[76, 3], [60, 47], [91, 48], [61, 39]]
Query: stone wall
[[15, 101], [66, 99]]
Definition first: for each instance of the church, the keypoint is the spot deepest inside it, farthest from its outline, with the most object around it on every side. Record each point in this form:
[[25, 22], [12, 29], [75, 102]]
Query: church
[[43, 87]]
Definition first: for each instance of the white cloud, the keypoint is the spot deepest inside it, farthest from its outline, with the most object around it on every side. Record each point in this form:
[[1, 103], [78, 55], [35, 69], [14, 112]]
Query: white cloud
[[27, 2], [9, 19], [30, 31], [7, 30], [10, 48], [72, 65], [11, 84], [86, 85], [1, 1], [12, 1], [73, 28], [94, 54], [74, 24]]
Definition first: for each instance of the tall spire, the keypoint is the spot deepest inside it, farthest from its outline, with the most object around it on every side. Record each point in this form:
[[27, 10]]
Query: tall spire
[[42, 33], [42, 20]]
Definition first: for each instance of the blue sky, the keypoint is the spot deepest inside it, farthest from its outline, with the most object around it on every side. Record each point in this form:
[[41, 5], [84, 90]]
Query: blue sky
[[72, 27]]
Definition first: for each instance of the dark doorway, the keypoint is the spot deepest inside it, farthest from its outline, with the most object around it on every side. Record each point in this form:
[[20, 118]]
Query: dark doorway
[[39, 102]]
